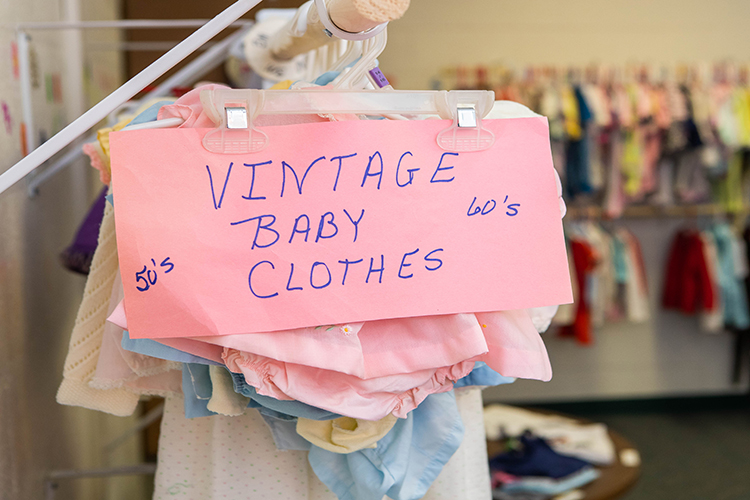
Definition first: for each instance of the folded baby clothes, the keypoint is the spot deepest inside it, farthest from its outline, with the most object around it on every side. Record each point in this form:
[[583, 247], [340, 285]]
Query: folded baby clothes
[[372, 349], [510, 342], [155, 349], [534, 457], [588, 442], [370, 399]]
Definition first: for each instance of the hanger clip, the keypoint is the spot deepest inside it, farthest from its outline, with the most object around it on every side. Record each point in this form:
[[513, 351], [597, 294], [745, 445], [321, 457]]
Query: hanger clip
[[466, 115], [466, 134], [235, 111], [236, 117], [235, 133]]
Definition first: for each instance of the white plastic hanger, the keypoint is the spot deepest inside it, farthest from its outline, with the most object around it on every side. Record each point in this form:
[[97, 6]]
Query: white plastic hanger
[[234, 110]]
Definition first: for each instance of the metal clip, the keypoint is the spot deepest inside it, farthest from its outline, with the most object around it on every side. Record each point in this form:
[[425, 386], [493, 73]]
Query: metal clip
[[467, 116], [466, 134], [237, 117], [235, 133]]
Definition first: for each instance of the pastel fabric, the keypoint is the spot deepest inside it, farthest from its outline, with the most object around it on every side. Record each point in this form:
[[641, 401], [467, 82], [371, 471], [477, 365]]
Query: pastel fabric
[[350, 396], [467, 473], [224, 400], [88, 332], [198, 391], [228, 458], [483, 376], [374, 349], [518, 349], [117, 368], [284, 431], [231, 457], [345, 435], [149, 347], [292, 408], [405, 462]]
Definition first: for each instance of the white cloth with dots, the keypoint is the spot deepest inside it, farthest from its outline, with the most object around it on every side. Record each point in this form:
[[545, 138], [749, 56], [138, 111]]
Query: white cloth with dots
[[232, 458]]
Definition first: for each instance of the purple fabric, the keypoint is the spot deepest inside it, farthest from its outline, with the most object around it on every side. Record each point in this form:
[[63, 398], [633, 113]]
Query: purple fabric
[[77, 257]]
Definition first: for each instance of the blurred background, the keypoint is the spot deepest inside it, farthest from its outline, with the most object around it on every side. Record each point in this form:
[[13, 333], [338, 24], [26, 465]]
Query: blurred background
[[649, 110]]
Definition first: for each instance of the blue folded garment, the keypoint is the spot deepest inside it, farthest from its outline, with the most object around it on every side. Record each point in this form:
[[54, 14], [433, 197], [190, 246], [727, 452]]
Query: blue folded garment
[[534, 457]]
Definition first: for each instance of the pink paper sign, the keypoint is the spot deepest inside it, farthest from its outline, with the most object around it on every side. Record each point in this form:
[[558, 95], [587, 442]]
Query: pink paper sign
[[334, 223]]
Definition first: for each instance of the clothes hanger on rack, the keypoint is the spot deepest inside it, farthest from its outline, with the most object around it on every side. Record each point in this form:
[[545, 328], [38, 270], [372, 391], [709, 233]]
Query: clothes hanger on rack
[[343, 11], [234, 110]]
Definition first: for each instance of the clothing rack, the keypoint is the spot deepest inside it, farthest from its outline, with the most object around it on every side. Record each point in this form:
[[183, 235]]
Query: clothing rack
[[53, 479], [343, 14], [651, 211], [212, 57], [499, 74], [23, 40]]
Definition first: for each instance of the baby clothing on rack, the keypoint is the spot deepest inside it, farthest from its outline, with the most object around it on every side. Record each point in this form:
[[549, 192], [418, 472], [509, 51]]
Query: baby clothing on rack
[[370, 406], [706, 271], [77, 257], [611, 279]]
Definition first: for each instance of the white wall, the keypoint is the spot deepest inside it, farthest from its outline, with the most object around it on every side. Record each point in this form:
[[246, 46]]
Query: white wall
[[669, 356], [444, 33]]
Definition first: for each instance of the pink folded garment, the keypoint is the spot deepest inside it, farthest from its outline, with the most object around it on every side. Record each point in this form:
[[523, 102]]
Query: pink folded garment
[[373, 349], [515, 347], [337, 392], [510, 345]]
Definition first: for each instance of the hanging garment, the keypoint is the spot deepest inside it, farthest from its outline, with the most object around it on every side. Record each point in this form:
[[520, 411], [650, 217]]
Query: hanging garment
[[584, 258], [77, 257], [712, 320], [734, 299], [119, 368], [466, 474], [637, 305], [88, 331], [86, 339], [687, 285], [368, 399]]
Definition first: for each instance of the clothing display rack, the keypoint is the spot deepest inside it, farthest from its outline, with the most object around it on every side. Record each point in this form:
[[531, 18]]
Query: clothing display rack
[[192, 71], [650, 211], [344, 9], [284, 46], [23, 39]]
